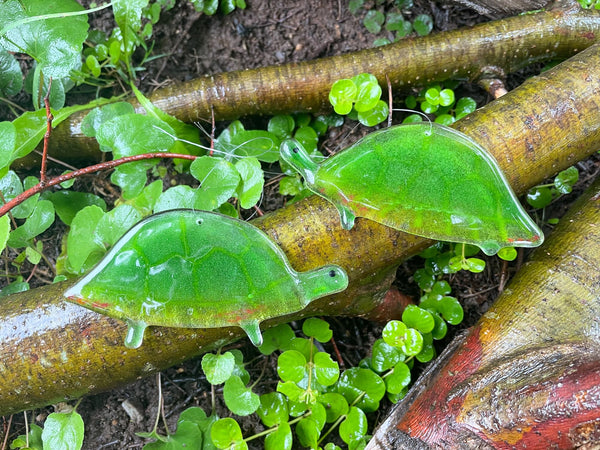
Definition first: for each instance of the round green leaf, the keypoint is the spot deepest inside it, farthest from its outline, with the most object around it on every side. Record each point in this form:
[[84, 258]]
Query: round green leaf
[[308, 432], [281, 126], [354, 426], [115, 223], [276, 338], [342, 94], [259, 144], [291, 366], [64, 431], [507, 253], [252, 182], [280, 439], [427, 353], [375, 115], [318, 414], [384, 356], [68, 203], [369, 93], [451, 310], [464, 106], [218, 368], [432, 95], [317, 328], [327, 371], [39, 221], [273, 409], [565, 180], [475, 265], [446, 97], [238, 398], [373, 21], [218, 181], [393, 333], [335, 405], [356, 381], [181, 196], [539, 197], [415, 317], [440, 329], [413, 342], [396, 381], [11, 78], [226, 434], [423, 24]]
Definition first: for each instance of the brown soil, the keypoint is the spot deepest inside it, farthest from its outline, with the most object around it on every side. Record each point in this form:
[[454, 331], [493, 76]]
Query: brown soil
[[267, 32]]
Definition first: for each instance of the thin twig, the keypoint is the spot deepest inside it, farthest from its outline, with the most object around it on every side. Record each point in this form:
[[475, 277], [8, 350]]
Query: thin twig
[[7, 433], [49, 119], [76, 173]]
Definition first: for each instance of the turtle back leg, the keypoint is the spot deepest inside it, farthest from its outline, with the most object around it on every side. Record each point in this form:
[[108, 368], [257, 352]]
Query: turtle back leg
[[252, 329], [135, 333]]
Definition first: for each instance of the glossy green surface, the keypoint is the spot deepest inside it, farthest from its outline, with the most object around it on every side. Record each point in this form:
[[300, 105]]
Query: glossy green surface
[[425, 179], [197, 269]]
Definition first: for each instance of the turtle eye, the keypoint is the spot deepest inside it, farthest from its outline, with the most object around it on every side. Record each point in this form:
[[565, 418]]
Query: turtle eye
[[199, 221], [332, 273], [295, 150]]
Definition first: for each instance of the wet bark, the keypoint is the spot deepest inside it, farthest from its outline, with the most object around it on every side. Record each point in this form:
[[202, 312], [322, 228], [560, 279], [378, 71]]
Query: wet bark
[[52, 350], [490, 49], [527, 375]]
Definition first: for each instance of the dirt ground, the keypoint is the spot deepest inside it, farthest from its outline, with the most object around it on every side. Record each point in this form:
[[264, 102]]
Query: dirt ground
[[267, 32]]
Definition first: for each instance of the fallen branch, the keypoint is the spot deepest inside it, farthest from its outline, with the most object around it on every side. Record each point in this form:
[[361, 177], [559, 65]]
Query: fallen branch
[[490, 49]]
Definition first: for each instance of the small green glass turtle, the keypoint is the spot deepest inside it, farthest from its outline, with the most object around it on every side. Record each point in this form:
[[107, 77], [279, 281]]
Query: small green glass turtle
[[422, 178], [198, 269]]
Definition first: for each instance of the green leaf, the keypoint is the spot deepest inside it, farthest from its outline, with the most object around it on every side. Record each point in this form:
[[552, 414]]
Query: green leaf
[[335, 405], [565, 180], [373, 21], [354, 426], [440, 329], [446, 97], [176, 197], [55, 44], [252, 181], [464, 106], [218, 181], [291, 390], [226, 434], [146, 200], [308, 432], [281, 126], [238, 398], [11, 78], [218, 368], [83, 246], [415, 317], [291, 366], [375, 115], [239, 367], [188, 435], [507, 253], [356, 381], [327, 371], [4, 230], [539, 197], [134, 134], [128, 15], [423, 24], [273, 409], [277, 338], [35, 439], [258, 144], [369, 92], [308, 137], [451, 310], [63, 431], [384, 356], [427, 352], [115, 223], [39, 221], [97, 116], [396, 381], [342, 95], [317, 328], [475, 265], [290, 185], [318, 414], [413, 342], [394, 333], [280, 439], [131, 178], [69, 203]]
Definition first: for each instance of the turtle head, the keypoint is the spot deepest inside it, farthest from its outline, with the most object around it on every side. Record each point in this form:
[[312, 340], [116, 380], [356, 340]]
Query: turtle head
[[323, 281], [294, 154]]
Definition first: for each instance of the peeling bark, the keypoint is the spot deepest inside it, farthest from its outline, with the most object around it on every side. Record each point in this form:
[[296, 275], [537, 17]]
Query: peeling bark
[[527, 375]]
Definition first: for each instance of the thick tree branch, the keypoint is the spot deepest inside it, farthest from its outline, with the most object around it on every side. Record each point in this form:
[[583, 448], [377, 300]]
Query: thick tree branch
[[498, 47]]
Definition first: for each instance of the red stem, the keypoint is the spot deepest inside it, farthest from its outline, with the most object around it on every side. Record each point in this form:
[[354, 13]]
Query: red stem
[[41, 186], [49, 118]]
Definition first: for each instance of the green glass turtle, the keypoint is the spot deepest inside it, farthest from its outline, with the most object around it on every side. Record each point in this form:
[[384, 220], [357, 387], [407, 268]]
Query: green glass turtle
[[424, 179], [198, 269]]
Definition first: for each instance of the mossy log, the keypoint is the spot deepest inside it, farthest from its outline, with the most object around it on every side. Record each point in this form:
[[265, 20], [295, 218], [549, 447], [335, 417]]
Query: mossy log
[[52, 350], [527, 375], [489, 49]]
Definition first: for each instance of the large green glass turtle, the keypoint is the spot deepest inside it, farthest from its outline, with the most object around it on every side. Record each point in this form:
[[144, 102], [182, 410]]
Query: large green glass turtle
[[422, 178], [198, 269]]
